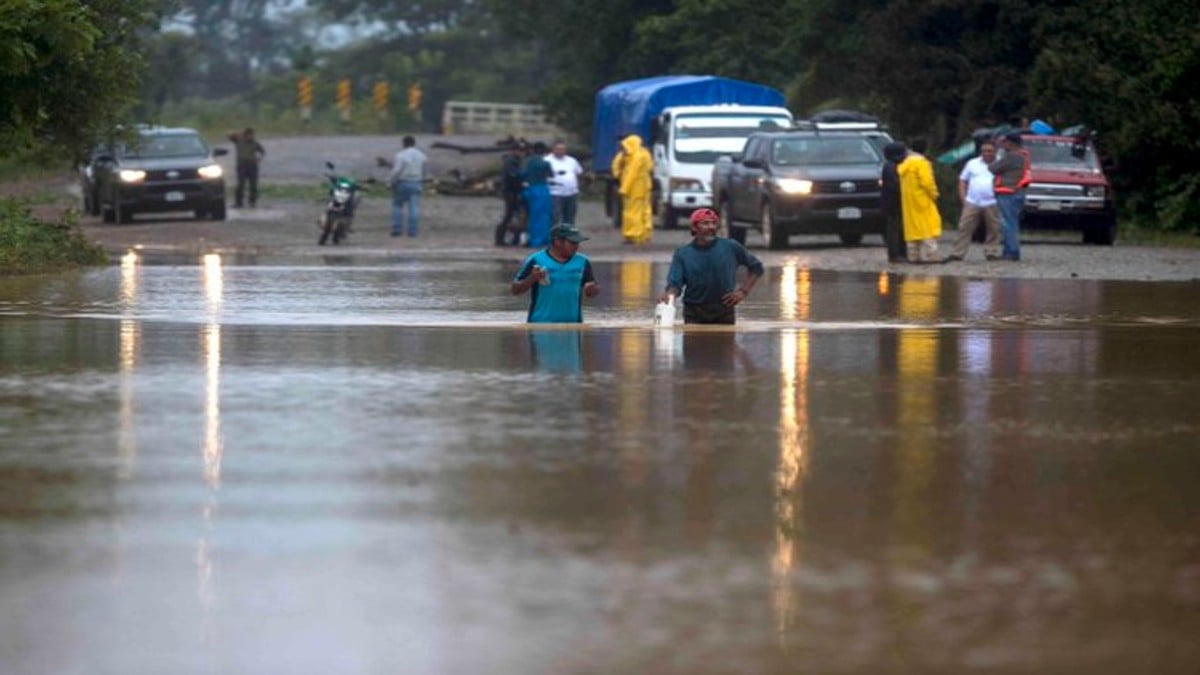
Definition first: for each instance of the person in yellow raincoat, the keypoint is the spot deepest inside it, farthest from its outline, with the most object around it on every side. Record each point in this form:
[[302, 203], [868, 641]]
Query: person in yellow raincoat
[[631, 167], [918, 203]]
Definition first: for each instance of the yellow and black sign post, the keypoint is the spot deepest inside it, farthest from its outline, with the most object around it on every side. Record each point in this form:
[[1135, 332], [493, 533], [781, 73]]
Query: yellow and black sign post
[[343, 99], [379, 99], [304, 98]]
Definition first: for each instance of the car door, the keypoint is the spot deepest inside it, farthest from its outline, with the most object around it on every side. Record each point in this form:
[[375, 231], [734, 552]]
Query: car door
[[741, 178]]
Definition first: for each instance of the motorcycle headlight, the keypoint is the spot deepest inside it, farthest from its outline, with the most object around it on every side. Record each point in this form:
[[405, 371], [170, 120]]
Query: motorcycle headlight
[[794, 186], [132, 175], [210, 171], [1096, 191], [341, 194]]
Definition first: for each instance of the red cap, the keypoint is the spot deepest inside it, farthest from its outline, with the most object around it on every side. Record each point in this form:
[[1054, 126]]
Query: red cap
[[703, 215]]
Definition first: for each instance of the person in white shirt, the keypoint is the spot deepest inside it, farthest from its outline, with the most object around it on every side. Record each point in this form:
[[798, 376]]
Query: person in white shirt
[[978, 199], [564, 184], [407, 181]]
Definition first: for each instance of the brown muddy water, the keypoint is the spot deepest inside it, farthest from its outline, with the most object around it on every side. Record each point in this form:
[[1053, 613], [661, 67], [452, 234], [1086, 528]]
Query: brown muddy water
[[239, 465]]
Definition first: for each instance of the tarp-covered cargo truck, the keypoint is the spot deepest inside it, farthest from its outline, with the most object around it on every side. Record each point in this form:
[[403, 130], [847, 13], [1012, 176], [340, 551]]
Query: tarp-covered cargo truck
[[687, 122]]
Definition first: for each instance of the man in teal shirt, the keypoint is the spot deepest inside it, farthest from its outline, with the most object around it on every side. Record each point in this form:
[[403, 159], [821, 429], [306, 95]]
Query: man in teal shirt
[[560, 277], [706, 272]]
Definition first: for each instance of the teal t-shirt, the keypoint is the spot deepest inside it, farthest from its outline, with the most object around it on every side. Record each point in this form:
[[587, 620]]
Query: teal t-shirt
[[560, 301]]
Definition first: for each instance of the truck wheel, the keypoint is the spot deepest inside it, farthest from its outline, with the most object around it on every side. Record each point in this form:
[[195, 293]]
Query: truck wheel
[[109, 215], [668, 217], [122, 215], [851, 239], [1102, 232], [727, 228], [776, 237], [218, 211]]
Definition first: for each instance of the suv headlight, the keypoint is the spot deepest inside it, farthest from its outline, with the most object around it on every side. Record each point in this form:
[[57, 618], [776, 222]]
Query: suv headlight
[[794, 186], [132, 175], [210, 171], [1095, 191]]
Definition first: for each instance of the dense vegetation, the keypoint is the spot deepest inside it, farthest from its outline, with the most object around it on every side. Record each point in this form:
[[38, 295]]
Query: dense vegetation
[[938, 69], [28, 244]]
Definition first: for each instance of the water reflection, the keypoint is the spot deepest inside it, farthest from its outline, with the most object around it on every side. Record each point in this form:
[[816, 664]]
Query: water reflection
[[794, 449], [210, 338], [129, 341], [557, 351]]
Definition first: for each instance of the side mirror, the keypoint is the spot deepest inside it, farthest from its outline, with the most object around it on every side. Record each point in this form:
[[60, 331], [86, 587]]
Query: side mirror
[[735, 157], [753, 163], [329, 165], [217, 152]]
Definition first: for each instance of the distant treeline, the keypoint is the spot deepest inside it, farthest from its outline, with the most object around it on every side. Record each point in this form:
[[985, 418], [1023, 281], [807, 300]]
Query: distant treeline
[[1126, 68]]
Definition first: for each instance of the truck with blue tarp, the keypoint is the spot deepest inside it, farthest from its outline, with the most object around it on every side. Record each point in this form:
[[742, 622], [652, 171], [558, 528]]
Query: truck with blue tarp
[[687, 122]]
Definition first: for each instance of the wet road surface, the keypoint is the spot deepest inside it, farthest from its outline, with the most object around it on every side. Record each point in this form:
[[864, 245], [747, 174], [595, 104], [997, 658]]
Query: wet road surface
[[241, 465]]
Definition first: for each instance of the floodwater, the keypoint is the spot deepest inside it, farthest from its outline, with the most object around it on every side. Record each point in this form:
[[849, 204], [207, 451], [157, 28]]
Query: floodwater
[[237, 465]]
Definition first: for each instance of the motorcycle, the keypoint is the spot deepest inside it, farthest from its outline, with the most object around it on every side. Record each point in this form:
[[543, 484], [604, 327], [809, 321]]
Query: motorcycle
[[344, 195]]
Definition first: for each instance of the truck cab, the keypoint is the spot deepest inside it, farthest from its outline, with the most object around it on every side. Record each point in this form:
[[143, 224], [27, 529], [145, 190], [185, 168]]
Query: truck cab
[[1068, 189], [687, 140], [808, 180]]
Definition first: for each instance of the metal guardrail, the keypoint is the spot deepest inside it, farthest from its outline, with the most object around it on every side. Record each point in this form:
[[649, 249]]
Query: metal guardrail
[[477, 117]]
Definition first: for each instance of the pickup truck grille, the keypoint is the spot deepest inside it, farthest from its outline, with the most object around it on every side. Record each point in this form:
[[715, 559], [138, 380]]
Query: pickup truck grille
[[180, 174], [834, 187], [1056, 189]]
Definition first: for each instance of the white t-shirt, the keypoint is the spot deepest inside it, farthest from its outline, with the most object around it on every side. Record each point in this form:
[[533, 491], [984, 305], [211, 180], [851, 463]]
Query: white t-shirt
[[980, 183], [565, 180]]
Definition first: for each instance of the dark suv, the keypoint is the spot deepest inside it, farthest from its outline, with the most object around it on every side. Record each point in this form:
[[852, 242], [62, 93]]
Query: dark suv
[[163, 169], [801, 182]]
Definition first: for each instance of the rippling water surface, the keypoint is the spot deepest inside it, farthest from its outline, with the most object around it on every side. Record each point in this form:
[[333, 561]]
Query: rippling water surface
[[231, 465]]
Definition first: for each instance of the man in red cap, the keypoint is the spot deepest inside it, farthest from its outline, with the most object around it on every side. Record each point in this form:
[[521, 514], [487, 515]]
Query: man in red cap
[[705, 270]]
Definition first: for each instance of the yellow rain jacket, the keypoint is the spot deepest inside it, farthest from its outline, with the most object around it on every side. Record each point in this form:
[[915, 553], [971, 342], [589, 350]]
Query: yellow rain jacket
[[631, 167], [918, 199]]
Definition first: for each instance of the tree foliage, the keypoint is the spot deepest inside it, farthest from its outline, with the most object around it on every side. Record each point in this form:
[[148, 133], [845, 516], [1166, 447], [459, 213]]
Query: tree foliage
[[68, 69]]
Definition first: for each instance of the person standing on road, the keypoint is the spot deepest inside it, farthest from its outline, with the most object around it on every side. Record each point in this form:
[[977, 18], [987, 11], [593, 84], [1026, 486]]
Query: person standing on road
[[564, 186], [510, 191], [249, 152], [705, 270], [978, 199], [889, 193], [1012, 177], [631, 168], [536, 175], [560, 277], [407, 181], [918, 202]]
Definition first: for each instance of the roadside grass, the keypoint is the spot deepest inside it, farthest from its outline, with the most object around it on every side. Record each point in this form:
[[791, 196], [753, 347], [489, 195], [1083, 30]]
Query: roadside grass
[[29, 244], [1132, 234]]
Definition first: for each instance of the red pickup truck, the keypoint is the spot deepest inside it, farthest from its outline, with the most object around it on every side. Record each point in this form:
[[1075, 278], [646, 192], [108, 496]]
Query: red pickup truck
[[1069, 190]]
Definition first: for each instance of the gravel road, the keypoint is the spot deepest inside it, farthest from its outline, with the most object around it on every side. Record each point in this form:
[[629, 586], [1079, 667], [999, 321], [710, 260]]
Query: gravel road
[[457, 226]]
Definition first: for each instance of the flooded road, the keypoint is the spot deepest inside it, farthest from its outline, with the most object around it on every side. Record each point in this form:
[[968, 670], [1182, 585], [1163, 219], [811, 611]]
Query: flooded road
[[247, 465]]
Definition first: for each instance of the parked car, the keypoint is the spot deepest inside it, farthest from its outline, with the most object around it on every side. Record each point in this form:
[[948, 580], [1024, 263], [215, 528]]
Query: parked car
[[802, 181], [163, 169], [1068, 189]]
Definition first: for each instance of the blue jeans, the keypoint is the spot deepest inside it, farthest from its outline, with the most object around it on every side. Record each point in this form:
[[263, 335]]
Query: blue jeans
[[1010, 224], [406, 192]]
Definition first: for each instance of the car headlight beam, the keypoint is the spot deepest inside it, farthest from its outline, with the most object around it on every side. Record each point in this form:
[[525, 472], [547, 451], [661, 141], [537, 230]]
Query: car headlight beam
[[794, 186], [132, 175], [210, 171]]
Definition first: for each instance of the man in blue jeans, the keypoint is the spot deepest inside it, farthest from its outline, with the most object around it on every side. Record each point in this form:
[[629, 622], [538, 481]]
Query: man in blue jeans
[[407, 181], [1012, 177]]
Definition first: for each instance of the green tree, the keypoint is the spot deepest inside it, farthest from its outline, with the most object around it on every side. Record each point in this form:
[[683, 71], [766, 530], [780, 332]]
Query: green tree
[[68, 69]]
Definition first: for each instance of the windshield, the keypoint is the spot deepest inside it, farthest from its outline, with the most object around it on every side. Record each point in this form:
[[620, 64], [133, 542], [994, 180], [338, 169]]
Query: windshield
[[1061, 153], [156, 147], [701, 139], [819, 150]]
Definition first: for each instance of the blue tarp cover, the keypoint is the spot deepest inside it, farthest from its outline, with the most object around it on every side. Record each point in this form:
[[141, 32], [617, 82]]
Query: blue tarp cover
[[627, 107]]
